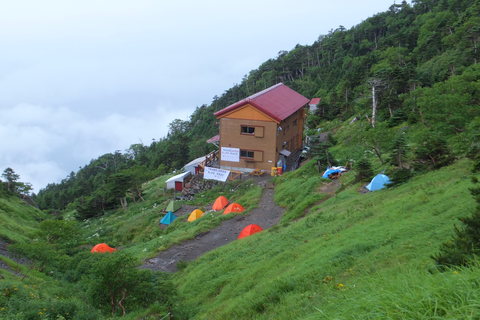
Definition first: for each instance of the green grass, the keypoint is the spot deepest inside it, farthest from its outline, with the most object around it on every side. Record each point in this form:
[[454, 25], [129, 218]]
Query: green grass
[[298, 191], [18, 219], [137, 231], [408, 294], [354, 256], [342, 256], [35, 296]]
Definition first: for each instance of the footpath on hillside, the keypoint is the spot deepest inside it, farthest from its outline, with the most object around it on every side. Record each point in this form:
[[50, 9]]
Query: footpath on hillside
[[4, 252], [266, 215]]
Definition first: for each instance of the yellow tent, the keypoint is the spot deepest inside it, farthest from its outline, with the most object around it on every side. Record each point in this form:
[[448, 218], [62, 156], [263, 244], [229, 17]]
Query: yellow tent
[[197, 213]]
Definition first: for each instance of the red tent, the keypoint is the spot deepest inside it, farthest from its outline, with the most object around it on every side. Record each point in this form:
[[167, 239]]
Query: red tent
[[249, 230], [234, 207], [102, 248], [220, 203]]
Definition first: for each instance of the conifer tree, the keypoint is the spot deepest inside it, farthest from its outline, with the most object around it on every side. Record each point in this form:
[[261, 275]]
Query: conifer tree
[[465, 244], [11, 179], [319, 151], [399, 151], [364, 170], [432, 153]]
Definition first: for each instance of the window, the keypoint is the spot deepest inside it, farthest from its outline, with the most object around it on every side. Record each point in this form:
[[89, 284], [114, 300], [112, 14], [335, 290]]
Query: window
[[295, 122], [247, 130], [247, 154], [251, 156]]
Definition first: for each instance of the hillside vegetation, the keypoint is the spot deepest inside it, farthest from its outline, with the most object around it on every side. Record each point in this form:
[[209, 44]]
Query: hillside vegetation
[[354, 256], [19, 220], [338, 252], [61, 278], [407, 53]]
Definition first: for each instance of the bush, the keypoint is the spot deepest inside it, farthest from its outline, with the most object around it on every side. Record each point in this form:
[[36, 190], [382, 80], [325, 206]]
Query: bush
[[63, 233], [117, 285], [45, 256], [432, 153], [398, 176], [23, 300], [398, 117], [465, 244]]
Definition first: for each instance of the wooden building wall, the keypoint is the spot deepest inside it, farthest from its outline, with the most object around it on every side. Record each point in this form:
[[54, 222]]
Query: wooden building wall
[[291, 135], [267, 140], [263, 145]]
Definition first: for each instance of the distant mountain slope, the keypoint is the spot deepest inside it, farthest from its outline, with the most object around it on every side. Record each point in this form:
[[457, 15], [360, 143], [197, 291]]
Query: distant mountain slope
[[403, 51]]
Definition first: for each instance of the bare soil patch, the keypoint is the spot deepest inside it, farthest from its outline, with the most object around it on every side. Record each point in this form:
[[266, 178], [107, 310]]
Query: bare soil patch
[[330, 188]]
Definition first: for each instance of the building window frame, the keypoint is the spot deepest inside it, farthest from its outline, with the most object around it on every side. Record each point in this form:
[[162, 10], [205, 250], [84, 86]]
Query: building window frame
[[248, 130], [247, 154]]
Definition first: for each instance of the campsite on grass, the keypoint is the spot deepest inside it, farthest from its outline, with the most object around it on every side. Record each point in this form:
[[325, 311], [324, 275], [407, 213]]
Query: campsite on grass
[[336, 180]]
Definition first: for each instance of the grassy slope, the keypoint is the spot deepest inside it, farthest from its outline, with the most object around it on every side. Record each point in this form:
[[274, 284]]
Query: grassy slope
[[19, 222], [45, 296], [137, 229], [18, 219], [355, 256]]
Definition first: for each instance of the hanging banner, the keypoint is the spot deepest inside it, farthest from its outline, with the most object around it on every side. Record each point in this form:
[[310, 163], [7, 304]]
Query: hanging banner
[[230, 154], [215, 174]]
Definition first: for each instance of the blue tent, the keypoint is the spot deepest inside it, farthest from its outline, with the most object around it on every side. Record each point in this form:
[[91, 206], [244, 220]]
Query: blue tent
[[168, 218], [330, 171], [378, 182]]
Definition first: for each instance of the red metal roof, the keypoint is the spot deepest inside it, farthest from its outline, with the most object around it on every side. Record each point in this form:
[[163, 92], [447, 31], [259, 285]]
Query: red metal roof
[[278, 102], [314, 101]]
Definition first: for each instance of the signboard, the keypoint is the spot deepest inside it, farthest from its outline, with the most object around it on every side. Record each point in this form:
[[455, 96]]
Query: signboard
[[215, 174], [230, 154]]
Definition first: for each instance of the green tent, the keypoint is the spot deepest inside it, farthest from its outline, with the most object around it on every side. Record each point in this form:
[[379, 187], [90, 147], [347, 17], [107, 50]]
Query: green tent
[[173, 206]]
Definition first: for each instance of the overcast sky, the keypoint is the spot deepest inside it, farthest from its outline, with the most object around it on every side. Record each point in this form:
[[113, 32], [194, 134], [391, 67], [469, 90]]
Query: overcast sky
[[82, 78]]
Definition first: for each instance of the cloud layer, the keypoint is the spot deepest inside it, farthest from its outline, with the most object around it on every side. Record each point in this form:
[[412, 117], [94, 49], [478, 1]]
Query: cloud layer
[[44, 143]]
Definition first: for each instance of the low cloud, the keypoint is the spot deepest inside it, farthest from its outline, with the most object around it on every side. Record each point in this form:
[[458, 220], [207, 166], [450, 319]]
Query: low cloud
[[43, 144]]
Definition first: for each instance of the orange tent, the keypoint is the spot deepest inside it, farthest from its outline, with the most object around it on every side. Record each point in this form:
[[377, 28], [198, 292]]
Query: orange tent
[[234, 207], [220, 203], [249, 230], [197, 213], [102, 248]]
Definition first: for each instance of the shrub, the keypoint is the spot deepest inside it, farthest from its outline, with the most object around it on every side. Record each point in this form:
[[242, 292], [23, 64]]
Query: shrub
[[116, 284], [465, 244], [432, 153], [66, 234], [398, 176]]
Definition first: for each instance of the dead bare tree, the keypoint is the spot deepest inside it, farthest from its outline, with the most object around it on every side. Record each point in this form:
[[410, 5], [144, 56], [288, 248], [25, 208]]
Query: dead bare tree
[[375, 83]]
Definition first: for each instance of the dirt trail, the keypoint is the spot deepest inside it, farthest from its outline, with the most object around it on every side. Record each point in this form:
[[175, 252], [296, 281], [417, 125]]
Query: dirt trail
[[266, 215], [4, 252], [330, 188]]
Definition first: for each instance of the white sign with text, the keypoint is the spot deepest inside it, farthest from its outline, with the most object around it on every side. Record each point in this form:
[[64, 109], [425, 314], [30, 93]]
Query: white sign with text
[[230, 154], [215, 174]]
